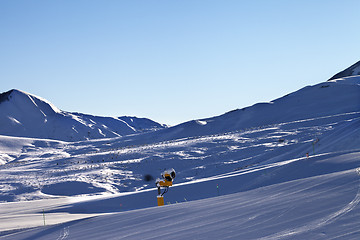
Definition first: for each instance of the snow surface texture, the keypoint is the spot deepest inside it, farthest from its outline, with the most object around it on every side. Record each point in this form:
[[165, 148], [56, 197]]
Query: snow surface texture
[[241, 175], [25, 115]]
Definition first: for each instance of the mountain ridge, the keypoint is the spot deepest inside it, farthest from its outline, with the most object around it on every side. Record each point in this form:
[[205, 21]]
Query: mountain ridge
[[20, 119], [26, 115], [306, 103]]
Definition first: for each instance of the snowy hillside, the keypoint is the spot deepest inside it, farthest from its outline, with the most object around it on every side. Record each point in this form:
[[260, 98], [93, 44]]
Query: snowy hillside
[[321, 207], [324, 99], [287, 169], [26, 115]]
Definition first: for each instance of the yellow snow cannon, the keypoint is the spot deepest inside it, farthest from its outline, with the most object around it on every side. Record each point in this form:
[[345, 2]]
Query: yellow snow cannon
[[164, 183]]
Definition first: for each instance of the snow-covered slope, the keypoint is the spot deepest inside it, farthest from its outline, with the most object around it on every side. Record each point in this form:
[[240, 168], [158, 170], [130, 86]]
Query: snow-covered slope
[[324, 99], [288, 169], [353, 70], [317, 204], [25, 115], [283, 129], [264, 133]]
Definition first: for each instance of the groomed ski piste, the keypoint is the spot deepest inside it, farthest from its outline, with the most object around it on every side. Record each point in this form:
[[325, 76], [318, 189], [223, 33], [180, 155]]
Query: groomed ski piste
[[263, 178]]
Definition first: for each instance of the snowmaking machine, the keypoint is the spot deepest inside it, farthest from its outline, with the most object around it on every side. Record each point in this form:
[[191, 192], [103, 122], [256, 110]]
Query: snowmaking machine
[[164, 183]]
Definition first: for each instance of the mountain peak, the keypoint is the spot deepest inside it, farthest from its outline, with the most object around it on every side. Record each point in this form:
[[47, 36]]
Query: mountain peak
[[5, 96], [26, 115], [353, 70], [26, 100]]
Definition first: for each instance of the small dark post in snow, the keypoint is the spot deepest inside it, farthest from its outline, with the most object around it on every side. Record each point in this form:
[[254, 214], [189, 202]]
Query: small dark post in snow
[[313, 143], [44, 216], [313, 148]]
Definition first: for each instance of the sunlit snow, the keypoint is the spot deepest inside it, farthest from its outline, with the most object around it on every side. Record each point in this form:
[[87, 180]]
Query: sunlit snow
[[288, 169]]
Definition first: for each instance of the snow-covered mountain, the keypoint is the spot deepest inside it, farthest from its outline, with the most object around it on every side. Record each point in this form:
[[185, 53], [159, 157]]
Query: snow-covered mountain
[[287, 169], [25, 115], [323, 99]]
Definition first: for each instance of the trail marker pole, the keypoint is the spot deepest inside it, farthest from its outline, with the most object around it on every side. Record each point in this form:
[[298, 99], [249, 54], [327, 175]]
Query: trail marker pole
[[313, 148], [44, 216]]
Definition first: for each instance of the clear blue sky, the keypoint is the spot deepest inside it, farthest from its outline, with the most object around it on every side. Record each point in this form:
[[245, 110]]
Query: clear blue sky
[[172, 61]]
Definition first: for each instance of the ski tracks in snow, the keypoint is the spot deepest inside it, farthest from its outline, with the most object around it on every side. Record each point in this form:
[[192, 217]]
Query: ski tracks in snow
[[320, 222], [64, 233]]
